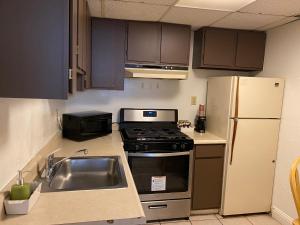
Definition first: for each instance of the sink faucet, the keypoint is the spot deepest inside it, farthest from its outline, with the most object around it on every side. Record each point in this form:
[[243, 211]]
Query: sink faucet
[[50, 164]]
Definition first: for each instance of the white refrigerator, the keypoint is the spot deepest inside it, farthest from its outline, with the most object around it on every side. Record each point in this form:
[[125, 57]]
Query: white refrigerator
[[246, 111]]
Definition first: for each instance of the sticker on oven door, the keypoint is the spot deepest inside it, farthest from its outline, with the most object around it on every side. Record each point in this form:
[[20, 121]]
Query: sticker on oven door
[[158, 183]]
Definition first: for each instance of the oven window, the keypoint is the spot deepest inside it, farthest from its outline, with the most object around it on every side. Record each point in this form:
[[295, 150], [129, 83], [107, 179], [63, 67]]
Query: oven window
[[170, 174]]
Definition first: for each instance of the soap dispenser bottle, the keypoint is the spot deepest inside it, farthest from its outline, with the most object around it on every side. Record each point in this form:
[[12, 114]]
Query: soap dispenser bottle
[[21, 190]]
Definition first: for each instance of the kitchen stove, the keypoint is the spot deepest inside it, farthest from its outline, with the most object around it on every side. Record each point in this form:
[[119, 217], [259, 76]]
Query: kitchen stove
[[160, 157]]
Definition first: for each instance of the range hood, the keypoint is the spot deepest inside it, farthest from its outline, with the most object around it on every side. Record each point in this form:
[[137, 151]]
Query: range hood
[[156, 72]]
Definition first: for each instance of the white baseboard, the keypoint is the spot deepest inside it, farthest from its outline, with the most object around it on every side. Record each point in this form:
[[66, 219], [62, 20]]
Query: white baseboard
[[281, 217]]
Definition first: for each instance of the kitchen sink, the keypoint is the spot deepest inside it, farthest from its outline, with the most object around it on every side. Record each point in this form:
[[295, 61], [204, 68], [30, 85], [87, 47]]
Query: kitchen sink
[[86, 173]]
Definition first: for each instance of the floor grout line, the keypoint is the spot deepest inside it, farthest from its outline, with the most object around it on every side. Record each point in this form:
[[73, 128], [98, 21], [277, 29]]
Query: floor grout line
[[249, 220]]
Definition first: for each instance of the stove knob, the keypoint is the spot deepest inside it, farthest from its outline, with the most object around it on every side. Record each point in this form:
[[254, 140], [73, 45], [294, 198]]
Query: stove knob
[[137, 147], [183, 146], [174, 146]]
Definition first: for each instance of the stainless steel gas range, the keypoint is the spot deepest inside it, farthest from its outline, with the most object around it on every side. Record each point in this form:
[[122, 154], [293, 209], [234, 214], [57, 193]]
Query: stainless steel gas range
[[160, 158]]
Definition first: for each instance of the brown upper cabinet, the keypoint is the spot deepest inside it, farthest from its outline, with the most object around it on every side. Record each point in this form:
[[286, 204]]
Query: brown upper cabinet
[[158, 43], [34, 42], [143, 42], [218, 48], [175, 44], [250, 49], [80, 51], [82, 34], [108, 53]]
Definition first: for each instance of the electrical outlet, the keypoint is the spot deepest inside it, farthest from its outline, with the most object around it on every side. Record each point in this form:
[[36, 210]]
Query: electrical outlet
[[193, 100]]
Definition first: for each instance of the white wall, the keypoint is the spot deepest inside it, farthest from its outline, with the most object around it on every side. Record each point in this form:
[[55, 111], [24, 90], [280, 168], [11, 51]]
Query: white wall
[[25, 127], [283, 59], [145, 93]]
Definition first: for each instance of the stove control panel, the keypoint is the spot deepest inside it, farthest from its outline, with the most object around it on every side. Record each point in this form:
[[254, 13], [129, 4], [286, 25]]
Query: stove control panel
[[144, 146]]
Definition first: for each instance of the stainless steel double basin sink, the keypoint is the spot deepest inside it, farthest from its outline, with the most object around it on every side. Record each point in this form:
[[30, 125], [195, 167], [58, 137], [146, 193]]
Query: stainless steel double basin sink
[[86, 173]]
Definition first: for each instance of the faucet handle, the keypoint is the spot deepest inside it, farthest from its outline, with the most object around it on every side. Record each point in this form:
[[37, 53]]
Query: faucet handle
[[85, 151]]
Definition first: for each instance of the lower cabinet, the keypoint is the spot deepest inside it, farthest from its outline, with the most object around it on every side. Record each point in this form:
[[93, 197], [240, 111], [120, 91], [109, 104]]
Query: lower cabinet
[[208, 176]]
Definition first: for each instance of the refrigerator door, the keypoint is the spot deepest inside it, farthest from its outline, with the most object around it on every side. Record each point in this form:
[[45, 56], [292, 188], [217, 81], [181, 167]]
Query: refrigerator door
[[249, 174], [257, 97]]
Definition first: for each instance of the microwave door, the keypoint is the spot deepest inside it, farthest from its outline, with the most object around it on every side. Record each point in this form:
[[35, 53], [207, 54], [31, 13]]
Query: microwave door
[[88, 127]]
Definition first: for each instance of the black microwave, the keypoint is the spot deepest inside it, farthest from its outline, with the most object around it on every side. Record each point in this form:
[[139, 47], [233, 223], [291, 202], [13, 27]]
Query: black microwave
[[83, 126]]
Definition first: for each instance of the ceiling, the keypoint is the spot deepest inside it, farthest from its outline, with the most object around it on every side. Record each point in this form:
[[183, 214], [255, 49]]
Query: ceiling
[[255, 15]]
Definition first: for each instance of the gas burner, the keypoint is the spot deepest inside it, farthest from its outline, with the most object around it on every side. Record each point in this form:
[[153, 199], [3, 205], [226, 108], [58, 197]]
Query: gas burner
[[152, 130]]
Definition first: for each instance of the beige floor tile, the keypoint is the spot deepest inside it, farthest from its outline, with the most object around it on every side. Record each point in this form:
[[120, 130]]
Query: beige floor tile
[[237, 220], [262, 220], [203, 217], [206, 222]]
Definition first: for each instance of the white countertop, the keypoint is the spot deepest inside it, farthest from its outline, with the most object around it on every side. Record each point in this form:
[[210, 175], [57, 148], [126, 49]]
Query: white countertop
[[205, 138]]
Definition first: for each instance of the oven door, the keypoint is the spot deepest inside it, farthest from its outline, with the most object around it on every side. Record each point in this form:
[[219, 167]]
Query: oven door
[[161, 176]]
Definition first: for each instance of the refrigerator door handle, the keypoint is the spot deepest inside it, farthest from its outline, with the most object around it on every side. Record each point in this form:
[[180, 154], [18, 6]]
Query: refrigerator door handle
[[235, 123], [236, 112]]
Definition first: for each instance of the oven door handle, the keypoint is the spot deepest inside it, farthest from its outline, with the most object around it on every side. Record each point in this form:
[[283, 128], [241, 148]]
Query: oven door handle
[[156, 155]]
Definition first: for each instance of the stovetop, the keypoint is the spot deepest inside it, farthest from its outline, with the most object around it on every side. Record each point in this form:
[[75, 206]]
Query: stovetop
[[154, 134], [155, 140], [152, 130]]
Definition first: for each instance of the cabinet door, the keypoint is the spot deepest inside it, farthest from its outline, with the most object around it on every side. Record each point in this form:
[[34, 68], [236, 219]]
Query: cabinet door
[[250, 49], [81, 38], [88, 49], [175, 44], [219, 48], [208, 177], [143, 42], [108, 54], [35, 49]]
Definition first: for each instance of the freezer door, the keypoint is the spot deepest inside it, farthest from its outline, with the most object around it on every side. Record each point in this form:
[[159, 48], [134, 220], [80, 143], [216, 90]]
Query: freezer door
[[257, 97], [250, 165]]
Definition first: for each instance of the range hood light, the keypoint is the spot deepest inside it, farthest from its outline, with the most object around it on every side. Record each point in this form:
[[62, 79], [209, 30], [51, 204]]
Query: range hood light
[[156, 73]]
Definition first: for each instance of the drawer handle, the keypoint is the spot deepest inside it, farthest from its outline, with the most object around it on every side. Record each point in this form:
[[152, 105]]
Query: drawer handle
[[157, 206]]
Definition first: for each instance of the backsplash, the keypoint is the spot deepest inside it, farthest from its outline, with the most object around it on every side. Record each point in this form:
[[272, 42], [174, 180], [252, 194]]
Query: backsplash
[[26, 126], [148, 93]]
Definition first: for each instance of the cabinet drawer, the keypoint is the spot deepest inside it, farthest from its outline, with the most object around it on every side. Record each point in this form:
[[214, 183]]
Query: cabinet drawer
[[159, 210], [209, 151]]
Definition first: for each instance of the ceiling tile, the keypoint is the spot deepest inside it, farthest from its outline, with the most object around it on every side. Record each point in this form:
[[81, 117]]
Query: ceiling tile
[[249, 21], [191, 16], [155, 2], [278, 23], [274, 7], [132, 10], [228, 5], [95, 7]]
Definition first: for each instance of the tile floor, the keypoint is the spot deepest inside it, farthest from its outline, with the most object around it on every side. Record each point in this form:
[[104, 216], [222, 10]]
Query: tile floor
[[260, 219]]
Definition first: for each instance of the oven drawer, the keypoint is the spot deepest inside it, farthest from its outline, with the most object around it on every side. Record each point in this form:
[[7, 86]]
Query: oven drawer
[[169, 209]]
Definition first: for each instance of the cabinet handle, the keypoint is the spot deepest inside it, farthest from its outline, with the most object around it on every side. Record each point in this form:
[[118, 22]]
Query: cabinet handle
[[157, 206]]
